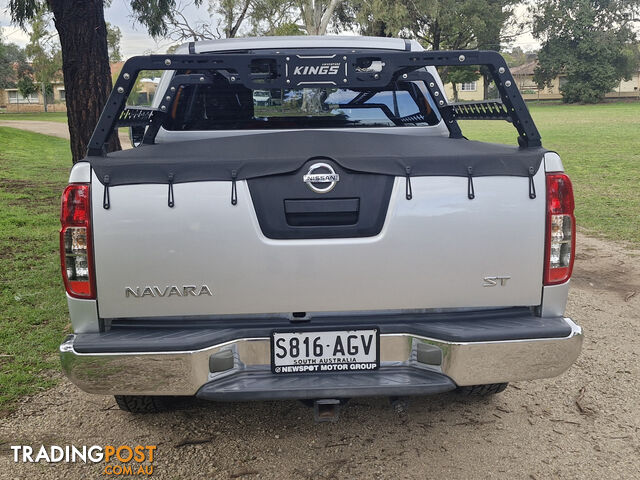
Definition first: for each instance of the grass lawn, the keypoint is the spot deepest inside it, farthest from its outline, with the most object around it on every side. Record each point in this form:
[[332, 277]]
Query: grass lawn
[[600, 148], [33, 311], [45, 117]]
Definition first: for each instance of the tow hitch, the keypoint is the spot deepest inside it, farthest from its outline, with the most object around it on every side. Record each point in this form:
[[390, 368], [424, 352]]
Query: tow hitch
[[326, 409]]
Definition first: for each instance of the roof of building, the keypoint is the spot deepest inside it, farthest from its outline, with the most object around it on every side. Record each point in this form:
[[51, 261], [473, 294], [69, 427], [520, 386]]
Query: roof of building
[[525, 69], [116, 67]]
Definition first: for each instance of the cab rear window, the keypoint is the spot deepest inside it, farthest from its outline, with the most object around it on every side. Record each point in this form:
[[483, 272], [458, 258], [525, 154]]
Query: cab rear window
[[232, 107]]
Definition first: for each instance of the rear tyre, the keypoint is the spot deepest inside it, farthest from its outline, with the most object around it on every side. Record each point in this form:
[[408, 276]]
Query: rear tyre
[[482, 390], [143, 403]]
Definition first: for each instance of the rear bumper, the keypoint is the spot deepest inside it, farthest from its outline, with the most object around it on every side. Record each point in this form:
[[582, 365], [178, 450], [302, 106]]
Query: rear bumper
[[416, 361]]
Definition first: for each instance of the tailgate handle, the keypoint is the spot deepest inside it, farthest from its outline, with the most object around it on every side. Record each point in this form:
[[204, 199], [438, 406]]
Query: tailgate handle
[[334, 211]]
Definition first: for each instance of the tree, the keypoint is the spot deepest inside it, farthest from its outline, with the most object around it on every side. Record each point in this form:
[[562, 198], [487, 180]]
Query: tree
[[446, 24], [266, 17], [113, 43], [591, 42], [233, 13], [45, 55], [181, 29], [26, 87], [516, 57], [85, 62], [13, 64], [85, 55], [369, 17], [275, 17], [460, 75], [316, 14]]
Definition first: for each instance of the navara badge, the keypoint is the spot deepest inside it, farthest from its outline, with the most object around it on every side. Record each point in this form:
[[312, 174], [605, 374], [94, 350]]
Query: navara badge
[[322, 182]]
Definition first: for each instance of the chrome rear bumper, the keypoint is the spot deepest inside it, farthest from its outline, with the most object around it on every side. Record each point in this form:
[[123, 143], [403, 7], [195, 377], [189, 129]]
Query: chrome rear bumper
[[406, 360]]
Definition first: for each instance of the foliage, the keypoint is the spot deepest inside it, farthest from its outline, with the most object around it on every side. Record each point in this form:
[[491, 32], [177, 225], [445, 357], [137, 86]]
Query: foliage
[[275, 17], [589, 41], [287, 29], [113, 42], [233, 14], [13, 64], [26, 87], [377, 18], [155, 14], [516, 56], [437, 24], [44, 52]]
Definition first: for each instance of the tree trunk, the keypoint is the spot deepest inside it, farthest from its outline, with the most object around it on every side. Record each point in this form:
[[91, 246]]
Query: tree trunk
[[316, 15], [85, 66], [437, 34], [487, 78], [44, 96]]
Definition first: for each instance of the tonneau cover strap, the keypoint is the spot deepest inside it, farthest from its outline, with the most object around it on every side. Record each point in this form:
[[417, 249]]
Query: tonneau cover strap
[[170, 200], [106, 201], [471, 193], [532, 186], [234, 191]]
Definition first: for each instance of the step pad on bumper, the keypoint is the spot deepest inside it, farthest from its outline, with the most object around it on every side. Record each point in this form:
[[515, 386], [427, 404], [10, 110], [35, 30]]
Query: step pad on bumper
[[387, 381]]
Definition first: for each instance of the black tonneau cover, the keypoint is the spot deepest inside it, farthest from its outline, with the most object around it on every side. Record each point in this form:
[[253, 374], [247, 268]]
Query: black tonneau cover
[[248, 156]]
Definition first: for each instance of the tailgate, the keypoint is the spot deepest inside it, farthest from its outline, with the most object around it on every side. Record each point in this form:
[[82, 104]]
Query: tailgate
[[206, 256]]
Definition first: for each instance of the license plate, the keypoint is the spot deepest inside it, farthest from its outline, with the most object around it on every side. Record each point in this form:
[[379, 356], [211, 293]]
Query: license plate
[[325, 351]]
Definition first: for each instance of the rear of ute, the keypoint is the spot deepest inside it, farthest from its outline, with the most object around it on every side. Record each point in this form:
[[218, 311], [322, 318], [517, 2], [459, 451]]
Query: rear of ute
[[384, 285]]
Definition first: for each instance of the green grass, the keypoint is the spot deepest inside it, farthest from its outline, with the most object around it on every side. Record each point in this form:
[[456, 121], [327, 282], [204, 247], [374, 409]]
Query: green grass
[[600, 148], [60, 117], [33, 313]]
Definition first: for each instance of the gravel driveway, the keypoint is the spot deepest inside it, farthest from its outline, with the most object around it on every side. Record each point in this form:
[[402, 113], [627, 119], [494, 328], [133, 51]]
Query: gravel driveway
[[584, 424]]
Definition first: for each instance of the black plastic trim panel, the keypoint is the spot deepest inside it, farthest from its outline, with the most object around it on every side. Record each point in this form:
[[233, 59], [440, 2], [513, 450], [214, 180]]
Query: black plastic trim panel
[[189, 333], [288, 209]]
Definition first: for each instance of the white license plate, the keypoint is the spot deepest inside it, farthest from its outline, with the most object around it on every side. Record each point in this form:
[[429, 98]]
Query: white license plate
[[325, 351]]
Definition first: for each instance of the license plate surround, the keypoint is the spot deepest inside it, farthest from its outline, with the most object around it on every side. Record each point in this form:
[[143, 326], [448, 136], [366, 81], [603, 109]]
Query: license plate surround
[[362, 366]]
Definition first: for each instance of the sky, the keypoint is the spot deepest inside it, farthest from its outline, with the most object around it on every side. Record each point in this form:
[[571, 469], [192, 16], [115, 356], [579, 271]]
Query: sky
[[136, 41]]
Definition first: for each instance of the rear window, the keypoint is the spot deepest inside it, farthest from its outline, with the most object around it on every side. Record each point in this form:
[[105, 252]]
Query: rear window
[[233, 107]]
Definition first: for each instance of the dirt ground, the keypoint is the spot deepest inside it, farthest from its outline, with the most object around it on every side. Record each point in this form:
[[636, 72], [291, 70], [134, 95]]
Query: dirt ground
[[56, 129], [583, 424]]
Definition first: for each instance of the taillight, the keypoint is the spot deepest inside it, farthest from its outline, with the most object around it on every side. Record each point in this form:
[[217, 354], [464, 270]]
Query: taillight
[[561, 230], [75, 242]]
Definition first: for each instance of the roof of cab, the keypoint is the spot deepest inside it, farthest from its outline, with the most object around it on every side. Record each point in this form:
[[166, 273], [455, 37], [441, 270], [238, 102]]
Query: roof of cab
[[303, 41]]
